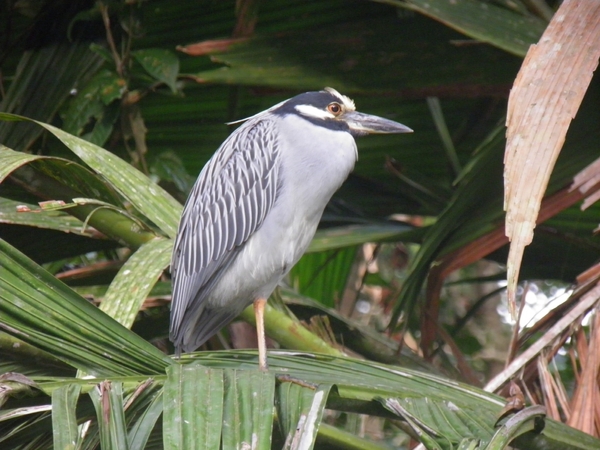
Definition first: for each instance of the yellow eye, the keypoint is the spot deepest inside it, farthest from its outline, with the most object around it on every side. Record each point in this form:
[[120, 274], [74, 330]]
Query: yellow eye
[[334, 108]]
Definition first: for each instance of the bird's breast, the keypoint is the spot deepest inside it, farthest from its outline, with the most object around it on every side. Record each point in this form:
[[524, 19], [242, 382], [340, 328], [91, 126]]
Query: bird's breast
[[315, 161]]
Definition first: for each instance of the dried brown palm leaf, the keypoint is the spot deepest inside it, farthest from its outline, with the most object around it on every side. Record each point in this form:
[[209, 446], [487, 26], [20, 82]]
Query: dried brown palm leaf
[[544, 99], [586, 399]]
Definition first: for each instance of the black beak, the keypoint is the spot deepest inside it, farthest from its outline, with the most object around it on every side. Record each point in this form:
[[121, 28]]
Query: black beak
[[361, 124]]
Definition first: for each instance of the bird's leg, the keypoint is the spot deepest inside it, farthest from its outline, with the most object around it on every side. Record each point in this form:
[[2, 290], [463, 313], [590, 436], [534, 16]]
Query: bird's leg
[[259, 308]]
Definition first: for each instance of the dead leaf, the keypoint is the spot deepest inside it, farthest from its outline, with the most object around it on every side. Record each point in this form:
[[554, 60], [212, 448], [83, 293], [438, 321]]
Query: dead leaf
[[544, 99], [208, 47], [587, 394]]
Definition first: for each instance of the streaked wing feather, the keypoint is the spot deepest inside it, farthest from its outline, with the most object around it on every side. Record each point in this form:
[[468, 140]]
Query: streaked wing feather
[[229, 202]]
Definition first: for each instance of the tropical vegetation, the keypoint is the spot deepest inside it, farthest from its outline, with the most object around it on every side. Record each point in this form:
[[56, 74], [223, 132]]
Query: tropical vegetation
[[395, 329]]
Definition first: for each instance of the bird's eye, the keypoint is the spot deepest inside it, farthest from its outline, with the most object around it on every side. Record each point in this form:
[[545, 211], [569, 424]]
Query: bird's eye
[[335, 109]]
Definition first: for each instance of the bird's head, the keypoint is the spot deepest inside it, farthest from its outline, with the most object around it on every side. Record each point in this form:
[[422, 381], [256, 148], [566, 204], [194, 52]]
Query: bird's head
[[333, 110]]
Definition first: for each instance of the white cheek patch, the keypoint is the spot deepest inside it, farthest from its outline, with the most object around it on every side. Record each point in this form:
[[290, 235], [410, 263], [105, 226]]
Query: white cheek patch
[[312, 111]]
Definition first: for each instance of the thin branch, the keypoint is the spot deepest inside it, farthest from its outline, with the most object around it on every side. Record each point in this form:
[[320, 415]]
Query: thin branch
[[109, 37]]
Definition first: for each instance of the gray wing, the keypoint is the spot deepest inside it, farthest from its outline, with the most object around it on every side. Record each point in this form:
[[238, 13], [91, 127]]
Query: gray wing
[[229, 202]]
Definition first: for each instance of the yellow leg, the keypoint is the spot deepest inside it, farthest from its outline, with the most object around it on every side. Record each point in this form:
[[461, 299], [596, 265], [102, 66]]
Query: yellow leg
[[259, 307]]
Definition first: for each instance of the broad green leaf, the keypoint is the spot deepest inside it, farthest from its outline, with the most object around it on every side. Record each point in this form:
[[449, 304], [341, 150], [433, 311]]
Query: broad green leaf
[[248, 409], [100, 208], [331, 436], [108, 402], [103, 125], [349, 235], [468, 444], [11, 160], [135, 280], [193, 407], [149, 198], [360, 383], [169, 167], [299, 412], [359, 380], [9, 414], [143, 426], [44, 312], [90, 102], [145, 195], [324, 275], [102, 52], [487, 22], [160, 289], [61, 179], [160, 63], [43, 80], [444, 422], [529, 419], [54, 220], [286, 58], [28, 361], [68, 173], [194, 392], [64, 416]]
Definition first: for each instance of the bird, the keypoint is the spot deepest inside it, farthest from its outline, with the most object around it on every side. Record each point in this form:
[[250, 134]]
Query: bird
[[255, 207]]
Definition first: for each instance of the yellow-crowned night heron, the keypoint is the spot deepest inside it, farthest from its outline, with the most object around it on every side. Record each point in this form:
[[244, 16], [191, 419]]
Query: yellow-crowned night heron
[[255, 208]]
